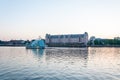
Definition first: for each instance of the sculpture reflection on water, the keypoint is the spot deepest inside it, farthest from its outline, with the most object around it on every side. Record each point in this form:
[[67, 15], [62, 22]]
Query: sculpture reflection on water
[[38, 52]]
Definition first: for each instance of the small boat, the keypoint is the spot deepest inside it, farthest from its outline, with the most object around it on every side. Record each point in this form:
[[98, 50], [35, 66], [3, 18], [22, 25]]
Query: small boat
[[36, 44]]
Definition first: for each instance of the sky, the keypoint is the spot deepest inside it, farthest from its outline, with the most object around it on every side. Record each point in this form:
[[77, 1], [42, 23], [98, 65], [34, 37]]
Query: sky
[[29, 19]]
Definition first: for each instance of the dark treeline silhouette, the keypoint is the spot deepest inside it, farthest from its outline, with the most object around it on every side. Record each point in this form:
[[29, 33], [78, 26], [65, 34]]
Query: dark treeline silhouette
[[13, 43], [104, 42]]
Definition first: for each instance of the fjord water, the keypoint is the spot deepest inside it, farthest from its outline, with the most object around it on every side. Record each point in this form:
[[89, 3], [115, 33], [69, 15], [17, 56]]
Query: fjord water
[[18, 63]]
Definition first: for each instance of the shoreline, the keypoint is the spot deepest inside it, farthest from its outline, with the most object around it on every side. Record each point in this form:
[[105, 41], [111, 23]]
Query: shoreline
[[61, 46]]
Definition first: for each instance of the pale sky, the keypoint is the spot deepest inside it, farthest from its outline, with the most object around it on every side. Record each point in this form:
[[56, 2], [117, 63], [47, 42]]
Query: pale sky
[[28, 19]]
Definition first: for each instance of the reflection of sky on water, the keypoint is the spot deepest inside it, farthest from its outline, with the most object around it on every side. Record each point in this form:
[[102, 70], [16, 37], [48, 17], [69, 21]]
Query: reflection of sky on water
[[104, 59], [60, 63]]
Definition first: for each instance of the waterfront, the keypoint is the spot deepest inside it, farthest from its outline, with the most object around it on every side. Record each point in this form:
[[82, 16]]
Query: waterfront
[[18, 63]]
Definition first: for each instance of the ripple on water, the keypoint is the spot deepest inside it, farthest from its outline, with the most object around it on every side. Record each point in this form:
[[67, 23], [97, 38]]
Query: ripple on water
[[59, 64]]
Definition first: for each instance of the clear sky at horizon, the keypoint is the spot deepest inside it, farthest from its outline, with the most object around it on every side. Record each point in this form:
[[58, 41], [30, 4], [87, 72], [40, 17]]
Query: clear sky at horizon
[[28, 19]]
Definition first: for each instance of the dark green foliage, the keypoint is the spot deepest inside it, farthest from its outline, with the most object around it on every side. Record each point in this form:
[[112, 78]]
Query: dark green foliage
[[105, 42]]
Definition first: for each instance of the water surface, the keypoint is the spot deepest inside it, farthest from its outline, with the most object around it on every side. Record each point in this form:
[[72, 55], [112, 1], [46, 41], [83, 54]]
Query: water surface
[[18, 63]]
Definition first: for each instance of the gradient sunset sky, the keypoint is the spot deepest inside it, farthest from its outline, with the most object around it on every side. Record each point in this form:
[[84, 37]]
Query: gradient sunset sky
[[28, 19]]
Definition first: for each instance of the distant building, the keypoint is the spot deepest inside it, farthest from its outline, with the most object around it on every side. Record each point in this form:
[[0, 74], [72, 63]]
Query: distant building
[[67, 40]]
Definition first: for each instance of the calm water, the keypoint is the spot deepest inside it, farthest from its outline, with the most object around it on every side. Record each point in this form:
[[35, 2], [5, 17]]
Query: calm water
[[18, 63]]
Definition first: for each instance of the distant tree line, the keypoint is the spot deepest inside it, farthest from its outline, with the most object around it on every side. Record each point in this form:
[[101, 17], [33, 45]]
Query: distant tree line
[[104, 42], [13, 43]]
